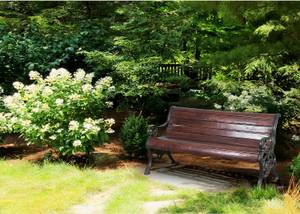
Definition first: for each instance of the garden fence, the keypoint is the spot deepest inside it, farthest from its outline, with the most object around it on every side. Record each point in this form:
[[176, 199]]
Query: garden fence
[[194, 72]]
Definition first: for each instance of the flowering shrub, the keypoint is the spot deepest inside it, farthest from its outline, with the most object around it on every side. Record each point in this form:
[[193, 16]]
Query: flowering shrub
[[253, 98], [61, 110]]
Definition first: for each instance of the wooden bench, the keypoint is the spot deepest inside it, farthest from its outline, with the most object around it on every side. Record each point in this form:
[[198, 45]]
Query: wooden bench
[[240, 136]]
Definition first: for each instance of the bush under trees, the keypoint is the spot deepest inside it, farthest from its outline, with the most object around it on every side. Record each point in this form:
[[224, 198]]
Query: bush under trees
[[134, 134]]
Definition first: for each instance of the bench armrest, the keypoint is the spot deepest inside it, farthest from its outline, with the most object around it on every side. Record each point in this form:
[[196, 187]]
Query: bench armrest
[[154, 131]]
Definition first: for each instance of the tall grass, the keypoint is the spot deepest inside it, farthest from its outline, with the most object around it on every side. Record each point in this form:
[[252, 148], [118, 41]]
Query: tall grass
[[290, 202]]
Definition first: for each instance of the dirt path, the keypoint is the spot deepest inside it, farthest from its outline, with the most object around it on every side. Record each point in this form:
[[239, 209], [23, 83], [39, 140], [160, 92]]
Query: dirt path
[[94, 204]]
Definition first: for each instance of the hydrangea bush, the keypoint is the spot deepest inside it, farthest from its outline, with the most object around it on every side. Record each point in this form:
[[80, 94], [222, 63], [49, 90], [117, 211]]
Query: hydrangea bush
[[62, 110]]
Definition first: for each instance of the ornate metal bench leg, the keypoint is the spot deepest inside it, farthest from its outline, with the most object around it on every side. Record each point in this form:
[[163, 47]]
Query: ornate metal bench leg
[[171, 158], [148, 167]]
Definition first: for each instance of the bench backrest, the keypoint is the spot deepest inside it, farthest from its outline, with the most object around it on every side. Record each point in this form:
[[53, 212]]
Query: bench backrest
[[190, 123]]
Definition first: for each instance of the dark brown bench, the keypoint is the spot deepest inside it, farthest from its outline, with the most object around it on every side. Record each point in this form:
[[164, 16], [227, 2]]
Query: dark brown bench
[[241, 136]]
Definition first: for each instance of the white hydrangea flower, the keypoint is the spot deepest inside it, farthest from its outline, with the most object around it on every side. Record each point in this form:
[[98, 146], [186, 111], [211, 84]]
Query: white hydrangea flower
[[2, 116], [31, 89], [25, 123], [112, 89], [12, 101], [64, 73], [232, 98], [77, 143], [104, 83], [110, 121], [47, 91], [59, 102], [90, 125], [244, 93], [59, 130], [89, 77], [52, 137], [34, 75], [18, 85], [79, 74], [74, 97], [73, 125], [45, 128], [1, 90], [87, 88], [109, 104], [13, 120], [87, 126], [58, 74], [217, 106], [110, 131], [35, 110], [45, 107], [244, 101]]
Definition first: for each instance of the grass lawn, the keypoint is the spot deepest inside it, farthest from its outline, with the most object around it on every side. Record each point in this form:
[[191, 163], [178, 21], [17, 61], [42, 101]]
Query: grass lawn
[[240, 201], [54, 188], [28, 188]]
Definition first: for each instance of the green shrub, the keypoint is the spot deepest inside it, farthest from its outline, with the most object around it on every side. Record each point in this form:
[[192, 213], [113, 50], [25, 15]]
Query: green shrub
[[295, 166], [134, 134], [61, 110], [183, 81]]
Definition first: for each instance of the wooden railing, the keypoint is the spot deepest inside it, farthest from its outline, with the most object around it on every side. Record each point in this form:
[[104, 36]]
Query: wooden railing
[[194, 72]]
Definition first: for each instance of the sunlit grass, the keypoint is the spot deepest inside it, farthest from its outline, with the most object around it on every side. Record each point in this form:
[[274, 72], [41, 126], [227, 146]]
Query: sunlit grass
[[28, 188]]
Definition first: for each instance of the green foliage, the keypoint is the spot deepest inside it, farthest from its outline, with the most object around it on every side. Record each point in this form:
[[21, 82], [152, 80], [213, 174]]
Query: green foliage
[[61, 110], [290, 105], [101, 63], [252, 47], [241, 200], [44, 36], [260, 68], [295, 166], [266, 29], [182, 81], [134, 135], [136, 82]]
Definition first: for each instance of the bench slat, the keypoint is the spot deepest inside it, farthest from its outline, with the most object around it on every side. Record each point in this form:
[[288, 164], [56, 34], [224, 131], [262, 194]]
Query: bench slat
[[216, 132], [224, 117], [219, 113], [188, 124], [197, 138], [226, 151]]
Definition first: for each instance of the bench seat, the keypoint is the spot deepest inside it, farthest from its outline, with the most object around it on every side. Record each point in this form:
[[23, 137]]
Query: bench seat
[[204, 148], [239, 136]]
